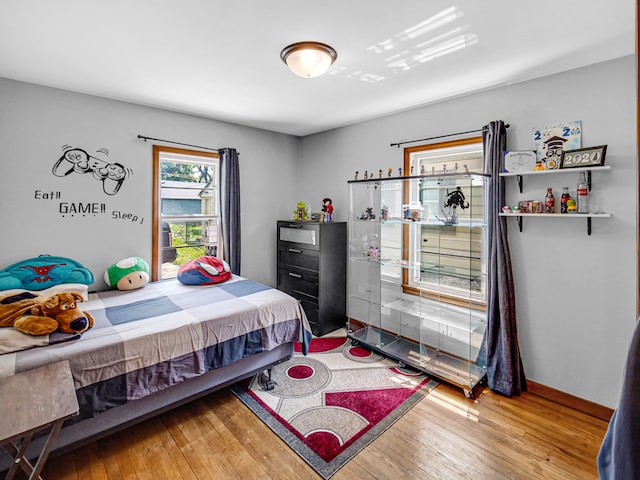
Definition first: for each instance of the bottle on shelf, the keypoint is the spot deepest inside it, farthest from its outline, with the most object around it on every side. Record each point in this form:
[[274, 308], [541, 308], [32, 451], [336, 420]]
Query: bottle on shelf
[[564, 199], [549, 201], [583, 194]]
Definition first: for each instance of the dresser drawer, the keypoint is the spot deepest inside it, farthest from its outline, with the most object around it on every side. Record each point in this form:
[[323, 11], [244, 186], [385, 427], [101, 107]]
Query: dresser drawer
[[299, 257], [299, 234], [310, 308], [298, 280]]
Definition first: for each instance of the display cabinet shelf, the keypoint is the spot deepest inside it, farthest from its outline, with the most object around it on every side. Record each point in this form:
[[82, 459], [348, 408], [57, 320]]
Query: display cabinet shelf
[[440, 364]]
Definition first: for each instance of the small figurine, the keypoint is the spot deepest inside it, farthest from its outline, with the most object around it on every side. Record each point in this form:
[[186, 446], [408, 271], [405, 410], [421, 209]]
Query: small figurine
[[368, 214], [422, 171], [400, 171], [389, 172], [300, 213], [411, 170], [455, 168], [380, 173], [433, 170], [456, 199], [366, 175], [327, 209], [466, 168], [356, 177], [444, 168], [373, 252]]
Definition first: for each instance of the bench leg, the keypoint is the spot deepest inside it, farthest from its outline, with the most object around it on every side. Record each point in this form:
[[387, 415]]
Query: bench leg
[[19, 459]]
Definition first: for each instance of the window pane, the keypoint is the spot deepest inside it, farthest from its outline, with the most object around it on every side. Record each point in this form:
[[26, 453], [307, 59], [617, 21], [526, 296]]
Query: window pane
[[188, 208]]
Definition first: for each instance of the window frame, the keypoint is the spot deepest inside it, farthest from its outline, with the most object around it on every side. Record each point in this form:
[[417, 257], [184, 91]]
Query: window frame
[[156, 237], [432, 293]]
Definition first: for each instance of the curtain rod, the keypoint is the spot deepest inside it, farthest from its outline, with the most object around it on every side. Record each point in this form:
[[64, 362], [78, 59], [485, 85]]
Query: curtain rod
[[506, 125], [176, 143]]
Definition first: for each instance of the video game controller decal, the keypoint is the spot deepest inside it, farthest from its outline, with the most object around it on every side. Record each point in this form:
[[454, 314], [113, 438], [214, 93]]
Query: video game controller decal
[[77, 160]]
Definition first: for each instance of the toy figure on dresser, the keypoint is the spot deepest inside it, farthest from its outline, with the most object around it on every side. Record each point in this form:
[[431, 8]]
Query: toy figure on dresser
[[327, 210], [454, 199], [300, 213]]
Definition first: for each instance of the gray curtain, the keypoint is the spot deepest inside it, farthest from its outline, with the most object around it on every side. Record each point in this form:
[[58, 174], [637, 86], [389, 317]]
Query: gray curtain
[[230, 207], [504, 366]]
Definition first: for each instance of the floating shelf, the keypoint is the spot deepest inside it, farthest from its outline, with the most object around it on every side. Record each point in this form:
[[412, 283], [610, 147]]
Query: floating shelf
[[519, 175], [566, 216]]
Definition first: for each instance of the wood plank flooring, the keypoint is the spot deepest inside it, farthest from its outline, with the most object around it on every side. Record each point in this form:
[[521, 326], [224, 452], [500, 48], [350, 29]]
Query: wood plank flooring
[[445, 436]]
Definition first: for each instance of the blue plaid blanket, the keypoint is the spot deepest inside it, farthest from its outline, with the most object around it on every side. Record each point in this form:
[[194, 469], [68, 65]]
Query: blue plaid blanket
[[149, 339]]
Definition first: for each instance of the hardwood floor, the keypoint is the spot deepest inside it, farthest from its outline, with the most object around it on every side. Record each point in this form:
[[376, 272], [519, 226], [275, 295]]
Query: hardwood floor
[[445, 436]]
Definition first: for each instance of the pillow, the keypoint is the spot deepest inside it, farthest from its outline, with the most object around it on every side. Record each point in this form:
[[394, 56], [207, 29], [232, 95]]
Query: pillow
[[127, 274], [42, 272], [204, 271]]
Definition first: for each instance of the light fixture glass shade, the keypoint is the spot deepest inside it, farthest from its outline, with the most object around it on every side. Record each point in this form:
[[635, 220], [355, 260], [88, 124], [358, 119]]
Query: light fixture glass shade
[[308, 59]]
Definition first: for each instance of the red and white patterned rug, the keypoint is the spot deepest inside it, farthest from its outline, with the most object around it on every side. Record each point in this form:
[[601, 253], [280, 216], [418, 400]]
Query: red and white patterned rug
[[330, 404]]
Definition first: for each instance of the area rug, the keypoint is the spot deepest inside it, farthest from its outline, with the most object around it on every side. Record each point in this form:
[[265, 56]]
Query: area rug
[[330, 404]]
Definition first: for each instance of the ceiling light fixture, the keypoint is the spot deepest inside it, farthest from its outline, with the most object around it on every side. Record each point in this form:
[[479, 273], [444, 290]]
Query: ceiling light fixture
[[308, 59]]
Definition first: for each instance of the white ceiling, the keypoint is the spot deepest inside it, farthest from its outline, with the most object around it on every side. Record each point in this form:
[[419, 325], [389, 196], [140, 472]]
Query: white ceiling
[[221, 58]]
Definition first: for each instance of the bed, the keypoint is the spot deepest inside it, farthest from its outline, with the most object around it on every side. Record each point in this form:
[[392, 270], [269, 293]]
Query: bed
[[161, 346]]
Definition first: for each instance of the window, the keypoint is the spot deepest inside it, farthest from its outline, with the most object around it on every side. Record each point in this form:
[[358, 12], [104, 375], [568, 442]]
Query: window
[[185, 208], [453, 257]]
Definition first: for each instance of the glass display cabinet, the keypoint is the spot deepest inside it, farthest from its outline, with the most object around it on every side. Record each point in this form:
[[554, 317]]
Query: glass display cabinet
[[417, 272]]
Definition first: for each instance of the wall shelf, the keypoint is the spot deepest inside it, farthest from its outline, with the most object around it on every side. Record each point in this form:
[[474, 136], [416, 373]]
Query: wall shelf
[[519, 175], [566, 216]]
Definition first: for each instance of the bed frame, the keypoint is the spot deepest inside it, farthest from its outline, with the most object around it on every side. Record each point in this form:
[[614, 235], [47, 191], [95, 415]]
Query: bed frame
[[131, 413]]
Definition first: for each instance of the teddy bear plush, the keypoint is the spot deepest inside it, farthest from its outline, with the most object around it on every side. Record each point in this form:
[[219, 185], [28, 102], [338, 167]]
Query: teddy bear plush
[[34, 314]]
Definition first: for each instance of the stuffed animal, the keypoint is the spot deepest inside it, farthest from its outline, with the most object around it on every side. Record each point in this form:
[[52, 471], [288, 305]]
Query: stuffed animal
[[206, 270], [34, 314], [127, 274]]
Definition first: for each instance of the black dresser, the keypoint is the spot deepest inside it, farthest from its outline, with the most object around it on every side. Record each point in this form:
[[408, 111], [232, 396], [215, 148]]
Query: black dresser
[[312, 263]]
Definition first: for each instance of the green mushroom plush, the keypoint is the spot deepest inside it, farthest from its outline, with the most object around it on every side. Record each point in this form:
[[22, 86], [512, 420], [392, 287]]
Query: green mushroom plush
[[127, 274]]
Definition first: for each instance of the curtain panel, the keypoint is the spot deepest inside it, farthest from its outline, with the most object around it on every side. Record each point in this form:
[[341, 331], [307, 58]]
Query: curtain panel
[[505, 373], [230, 207]]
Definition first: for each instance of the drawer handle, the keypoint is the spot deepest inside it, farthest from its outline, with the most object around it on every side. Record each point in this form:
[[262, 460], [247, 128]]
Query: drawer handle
[[294, 226], [295, 275], [295, 250]]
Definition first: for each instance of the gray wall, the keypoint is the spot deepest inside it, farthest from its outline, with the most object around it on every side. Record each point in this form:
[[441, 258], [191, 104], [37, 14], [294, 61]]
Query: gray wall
[[576, 295], [37, 122]]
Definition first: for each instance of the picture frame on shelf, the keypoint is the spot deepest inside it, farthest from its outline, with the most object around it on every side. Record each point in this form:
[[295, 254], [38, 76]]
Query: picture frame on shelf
[[519, 161], [584, 157]]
